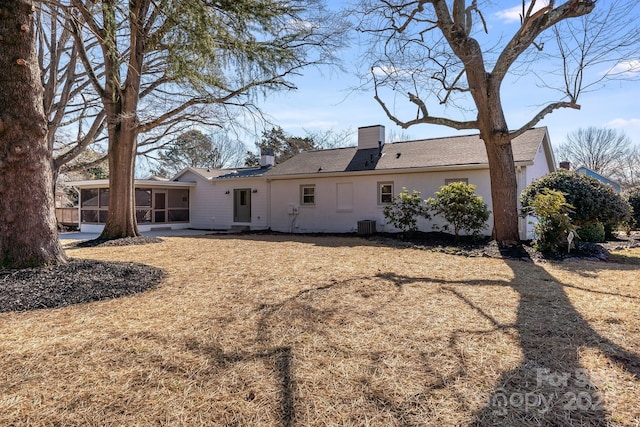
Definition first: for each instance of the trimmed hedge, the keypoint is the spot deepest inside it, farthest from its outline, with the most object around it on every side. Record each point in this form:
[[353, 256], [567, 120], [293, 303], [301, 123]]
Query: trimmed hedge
[[405, 209], [593, 202], [461, 207], [634, 200], [592, 233]]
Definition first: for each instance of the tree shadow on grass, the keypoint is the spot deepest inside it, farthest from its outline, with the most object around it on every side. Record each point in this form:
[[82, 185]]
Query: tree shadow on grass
[[550, 387]]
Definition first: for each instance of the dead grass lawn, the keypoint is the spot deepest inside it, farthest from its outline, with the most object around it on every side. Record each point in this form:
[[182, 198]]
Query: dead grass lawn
[[314, 331]]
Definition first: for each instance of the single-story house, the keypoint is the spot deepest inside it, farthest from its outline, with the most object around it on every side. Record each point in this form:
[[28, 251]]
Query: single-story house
[[586, 171], [330, 190]]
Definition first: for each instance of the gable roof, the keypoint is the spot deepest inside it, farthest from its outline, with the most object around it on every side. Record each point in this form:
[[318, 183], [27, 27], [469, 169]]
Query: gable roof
[[211, 174], [450, 152], [589, 172]]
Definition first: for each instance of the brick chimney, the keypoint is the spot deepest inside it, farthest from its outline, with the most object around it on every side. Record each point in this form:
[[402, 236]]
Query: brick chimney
[[565, 165], [370, 137], [267, 158]]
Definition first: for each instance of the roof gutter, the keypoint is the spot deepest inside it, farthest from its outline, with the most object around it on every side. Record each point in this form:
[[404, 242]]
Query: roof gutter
[[479, 166], [102, 183]]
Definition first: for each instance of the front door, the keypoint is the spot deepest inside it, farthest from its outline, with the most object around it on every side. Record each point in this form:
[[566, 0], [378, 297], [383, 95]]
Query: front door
[[242, 205], [159, 206]]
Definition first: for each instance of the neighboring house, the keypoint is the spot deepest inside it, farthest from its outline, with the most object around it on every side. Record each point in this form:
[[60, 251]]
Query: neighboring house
[[332, 190], [586, 171]]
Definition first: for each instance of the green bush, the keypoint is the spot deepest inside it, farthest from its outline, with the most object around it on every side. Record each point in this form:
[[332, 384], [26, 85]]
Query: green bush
[[633, 196], [554, 224], [592, 232], [458, 204], [404, 210], [592, 200]]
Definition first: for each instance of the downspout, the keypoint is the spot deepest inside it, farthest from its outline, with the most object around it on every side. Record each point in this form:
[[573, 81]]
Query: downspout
[[293, 220], [79, 207], [268, 204], [522, 222]]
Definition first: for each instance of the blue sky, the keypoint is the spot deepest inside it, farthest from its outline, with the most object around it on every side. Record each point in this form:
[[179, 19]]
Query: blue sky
[[324, 99]]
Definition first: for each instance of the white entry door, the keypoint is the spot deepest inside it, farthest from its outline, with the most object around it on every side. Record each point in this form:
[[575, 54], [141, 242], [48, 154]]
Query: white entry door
[[242, 205]]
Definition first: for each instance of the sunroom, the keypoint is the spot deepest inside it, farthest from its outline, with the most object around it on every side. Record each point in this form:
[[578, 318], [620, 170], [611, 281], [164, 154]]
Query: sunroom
[[160, 205]]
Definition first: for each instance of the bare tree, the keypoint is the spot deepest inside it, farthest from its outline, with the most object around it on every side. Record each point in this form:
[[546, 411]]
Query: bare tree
[[331, 138], [628, 175], [432, 54], [394, 136], [195, 149], [28, 232], [75, 117], [168, 63], [600, 149]]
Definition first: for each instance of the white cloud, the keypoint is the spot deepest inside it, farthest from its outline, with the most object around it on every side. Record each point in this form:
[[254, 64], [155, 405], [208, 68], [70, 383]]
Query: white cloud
[[384, 70], [626, 68], [512, 14], [302, 25], [624, 123], [388, 71]]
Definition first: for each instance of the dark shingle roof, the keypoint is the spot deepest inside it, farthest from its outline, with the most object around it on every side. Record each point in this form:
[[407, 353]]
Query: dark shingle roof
[[243, 172], [227, 173], [463, 151]]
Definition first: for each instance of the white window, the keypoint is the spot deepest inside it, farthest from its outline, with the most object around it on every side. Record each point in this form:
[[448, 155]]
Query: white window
[[385, 192], [307, 194]]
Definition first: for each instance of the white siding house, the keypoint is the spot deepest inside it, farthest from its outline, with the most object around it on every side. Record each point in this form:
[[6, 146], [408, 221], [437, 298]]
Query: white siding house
[[333, 190], [224, 199]]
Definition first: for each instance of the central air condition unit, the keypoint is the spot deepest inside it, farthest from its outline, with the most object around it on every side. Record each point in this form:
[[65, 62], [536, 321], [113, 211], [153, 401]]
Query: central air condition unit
[[366, 227]]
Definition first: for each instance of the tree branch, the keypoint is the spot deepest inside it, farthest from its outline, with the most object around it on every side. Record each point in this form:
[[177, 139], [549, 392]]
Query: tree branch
[[426, 118], [538, 117], [96, 127], [533, 26], [84, 57]]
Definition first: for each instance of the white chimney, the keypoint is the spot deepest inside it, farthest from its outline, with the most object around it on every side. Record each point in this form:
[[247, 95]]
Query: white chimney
[[370, 137], [267, 158]]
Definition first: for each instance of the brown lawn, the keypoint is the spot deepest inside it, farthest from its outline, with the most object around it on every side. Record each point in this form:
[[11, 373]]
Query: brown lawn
[[326, 331]]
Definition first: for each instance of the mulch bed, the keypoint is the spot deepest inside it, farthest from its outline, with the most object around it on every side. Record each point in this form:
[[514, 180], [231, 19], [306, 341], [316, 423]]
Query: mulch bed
[[484, 247], [79, 281], [76, 282], [99, 243]]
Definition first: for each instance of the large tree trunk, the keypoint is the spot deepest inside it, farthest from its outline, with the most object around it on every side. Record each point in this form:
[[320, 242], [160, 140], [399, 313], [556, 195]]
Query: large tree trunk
[[121, 107], [495, 134], [28, 233], [121, 219], [503, 191]]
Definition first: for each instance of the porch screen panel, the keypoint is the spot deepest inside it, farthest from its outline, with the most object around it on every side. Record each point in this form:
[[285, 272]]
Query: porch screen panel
[[143, 205], [94, 203], [178, 205]]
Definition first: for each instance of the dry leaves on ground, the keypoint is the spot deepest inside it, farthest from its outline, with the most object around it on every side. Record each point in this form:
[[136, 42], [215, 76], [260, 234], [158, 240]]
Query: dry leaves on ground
[[318, 331]]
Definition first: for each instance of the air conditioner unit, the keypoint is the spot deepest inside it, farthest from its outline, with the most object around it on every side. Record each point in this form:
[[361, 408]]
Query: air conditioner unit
[[366, 227]]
